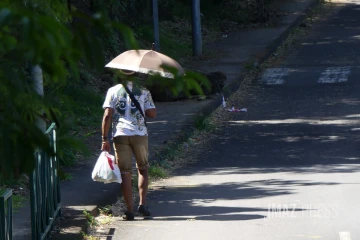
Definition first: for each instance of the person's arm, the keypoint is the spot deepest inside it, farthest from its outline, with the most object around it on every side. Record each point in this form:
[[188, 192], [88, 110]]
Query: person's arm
[[151, 113], [105, 127], [149, 106]]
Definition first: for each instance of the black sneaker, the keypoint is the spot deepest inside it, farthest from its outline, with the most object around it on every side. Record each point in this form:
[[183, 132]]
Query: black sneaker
[[128, 216], [144, 211]]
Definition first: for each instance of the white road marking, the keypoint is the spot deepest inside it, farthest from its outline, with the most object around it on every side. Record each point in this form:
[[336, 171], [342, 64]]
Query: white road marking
[[344, 236], [274, 76], [335, 75], [338, 122]]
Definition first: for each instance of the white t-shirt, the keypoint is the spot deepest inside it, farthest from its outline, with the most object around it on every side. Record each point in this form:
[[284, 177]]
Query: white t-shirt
[[127, 119]]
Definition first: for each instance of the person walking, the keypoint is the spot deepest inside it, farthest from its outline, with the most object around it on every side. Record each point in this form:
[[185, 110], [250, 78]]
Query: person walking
[[126, 106]]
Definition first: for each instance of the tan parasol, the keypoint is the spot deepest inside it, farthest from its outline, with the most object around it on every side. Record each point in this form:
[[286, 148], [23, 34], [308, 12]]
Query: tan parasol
[[145, 61]]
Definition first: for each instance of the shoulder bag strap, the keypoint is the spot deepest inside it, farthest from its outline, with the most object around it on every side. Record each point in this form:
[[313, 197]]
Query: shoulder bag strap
[[137, 104]]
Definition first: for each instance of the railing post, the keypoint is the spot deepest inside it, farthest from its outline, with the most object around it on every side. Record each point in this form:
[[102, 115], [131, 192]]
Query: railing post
[[2, 219], [45, 190], [196, 28], [6, 212]]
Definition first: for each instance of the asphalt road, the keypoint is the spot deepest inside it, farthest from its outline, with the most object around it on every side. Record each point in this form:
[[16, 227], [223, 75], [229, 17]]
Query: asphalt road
[[291, 168]]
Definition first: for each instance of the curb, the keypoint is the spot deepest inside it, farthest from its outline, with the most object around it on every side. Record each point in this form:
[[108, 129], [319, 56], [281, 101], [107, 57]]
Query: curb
[[270, 50], [80, 219]]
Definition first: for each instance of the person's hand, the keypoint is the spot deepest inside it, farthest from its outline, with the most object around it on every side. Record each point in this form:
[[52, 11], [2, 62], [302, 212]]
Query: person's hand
[[105, 146]]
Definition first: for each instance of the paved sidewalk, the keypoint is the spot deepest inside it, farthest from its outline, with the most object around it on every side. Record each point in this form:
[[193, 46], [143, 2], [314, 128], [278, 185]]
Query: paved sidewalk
[[81, 193]]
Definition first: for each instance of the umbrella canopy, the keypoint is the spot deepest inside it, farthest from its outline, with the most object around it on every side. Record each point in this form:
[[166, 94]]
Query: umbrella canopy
[[145, 61]]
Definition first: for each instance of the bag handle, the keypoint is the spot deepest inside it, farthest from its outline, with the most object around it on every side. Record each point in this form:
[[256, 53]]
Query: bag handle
[[136, 102]]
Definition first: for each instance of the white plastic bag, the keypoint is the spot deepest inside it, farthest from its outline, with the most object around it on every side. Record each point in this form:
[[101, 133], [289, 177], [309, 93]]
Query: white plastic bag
[[106, 170]]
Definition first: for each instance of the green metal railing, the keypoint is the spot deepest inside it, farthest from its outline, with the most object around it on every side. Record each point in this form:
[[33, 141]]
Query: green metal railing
[[45, 190], [6, 222]]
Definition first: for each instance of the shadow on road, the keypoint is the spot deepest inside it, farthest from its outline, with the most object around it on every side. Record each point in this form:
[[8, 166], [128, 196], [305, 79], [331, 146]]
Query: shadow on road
[[206, 201]]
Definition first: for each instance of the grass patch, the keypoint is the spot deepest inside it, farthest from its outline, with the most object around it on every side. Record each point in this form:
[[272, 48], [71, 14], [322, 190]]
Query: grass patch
[[106, 210], [105, 220], [65, 176], [250, 65], [168, 154], [172, 47], [88, 237], [67, 157], [202, 122], [169, 43], [20, 193], [18, 201], [105, 216], [157, 172], [91, 220], [186, 139], [85, 106], [20, 182]]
